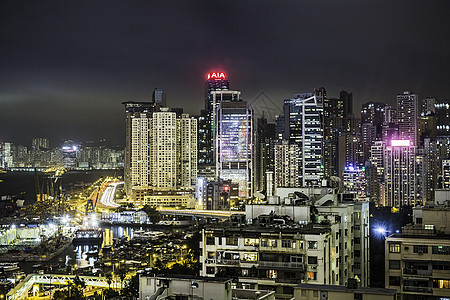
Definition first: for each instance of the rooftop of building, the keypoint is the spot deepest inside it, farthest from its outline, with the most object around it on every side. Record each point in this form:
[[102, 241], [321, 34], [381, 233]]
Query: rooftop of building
[[187, 277], [342, 288], [250, 294], [419, 231], [268, 224]]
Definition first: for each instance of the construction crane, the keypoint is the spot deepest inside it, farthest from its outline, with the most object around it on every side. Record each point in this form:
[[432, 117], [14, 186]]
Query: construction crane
[[90, 217], [90, 205]]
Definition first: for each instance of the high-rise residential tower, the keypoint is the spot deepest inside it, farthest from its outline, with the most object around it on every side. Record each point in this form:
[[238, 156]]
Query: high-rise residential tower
[[161, 151], [287, 163], [137, 150], [173, 157]]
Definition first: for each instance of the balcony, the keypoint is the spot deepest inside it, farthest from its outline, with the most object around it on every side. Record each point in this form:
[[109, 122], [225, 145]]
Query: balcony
[[288, 280], [228, 262], [418, 289], [417, 272], [276, 264]]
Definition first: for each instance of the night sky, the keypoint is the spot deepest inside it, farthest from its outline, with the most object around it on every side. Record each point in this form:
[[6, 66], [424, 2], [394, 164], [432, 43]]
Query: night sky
[[66, 66]]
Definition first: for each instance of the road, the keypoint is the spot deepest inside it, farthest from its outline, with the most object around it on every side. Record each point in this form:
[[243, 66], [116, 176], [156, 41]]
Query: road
[[107, 197]]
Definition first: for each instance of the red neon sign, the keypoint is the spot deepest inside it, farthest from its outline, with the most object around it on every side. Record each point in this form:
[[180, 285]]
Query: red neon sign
[[216, 75]]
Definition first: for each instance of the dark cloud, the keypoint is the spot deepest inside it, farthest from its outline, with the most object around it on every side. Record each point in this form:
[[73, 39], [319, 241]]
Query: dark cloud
[[65, 67]]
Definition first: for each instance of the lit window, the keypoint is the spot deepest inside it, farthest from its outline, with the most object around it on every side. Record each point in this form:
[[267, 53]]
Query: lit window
[[394, 248], [312, 275]]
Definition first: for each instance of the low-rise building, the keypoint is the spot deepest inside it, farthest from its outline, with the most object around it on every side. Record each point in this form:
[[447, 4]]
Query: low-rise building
[[273, 253], [418, 258], [184, 287], [305, 291]]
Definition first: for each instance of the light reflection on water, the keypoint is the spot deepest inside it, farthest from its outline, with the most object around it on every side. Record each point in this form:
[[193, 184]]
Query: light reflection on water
[[79, 254]]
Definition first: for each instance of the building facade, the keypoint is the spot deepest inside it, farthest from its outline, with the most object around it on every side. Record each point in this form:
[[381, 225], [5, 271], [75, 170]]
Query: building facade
[[137, 151], [235, 145], [287, 162], [407, 113], [400, 173], [304, 126], [161, 152], [418, 263]]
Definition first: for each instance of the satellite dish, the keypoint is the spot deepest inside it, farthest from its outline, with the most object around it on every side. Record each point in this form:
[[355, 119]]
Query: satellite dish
[[259, 195]]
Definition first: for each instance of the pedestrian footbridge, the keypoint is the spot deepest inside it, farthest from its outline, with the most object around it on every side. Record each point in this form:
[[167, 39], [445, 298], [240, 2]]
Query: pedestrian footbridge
[[21, 290]]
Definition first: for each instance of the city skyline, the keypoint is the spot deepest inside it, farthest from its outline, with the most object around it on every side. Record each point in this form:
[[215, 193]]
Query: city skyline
[[81, 62]]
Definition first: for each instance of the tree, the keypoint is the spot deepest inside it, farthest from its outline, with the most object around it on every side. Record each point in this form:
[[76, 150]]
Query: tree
[[158, 264], [125, 207], [131, 291], [122, 273], [74, 290], [108, 277], [59, 295], [154, 214]]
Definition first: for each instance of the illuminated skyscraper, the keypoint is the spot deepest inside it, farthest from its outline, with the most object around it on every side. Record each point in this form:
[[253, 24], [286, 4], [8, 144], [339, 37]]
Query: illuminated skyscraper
[[6, 155], [373, 113], [303, 119], [443, 119], [235, 144], [215, 82], [446, 174], [161, 150], [443, 129], [407, 114], [372, 119], [264, 152], [355, 181], [287, 163], [159, 98], [173, 150], [400, 173], [40, 143], [137, 150], [69, 154]]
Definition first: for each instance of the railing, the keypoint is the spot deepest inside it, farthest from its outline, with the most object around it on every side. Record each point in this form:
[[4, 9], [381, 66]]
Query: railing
[[223, 261], [277, 264], [418, 289], [288, 280], [22, 288], [418, 272]]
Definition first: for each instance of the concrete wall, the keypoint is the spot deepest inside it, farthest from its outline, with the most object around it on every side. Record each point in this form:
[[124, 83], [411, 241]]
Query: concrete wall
[[220, 290], [307, 294], [297, 213]]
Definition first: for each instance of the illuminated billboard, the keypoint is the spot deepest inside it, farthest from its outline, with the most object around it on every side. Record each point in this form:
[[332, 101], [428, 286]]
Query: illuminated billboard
[[400, 143], [216, 75], [234, 138]]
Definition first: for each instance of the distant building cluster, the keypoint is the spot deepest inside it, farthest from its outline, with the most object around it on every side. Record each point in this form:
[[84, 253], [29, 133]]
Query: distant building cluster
[[393, 155], [70, 155]]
